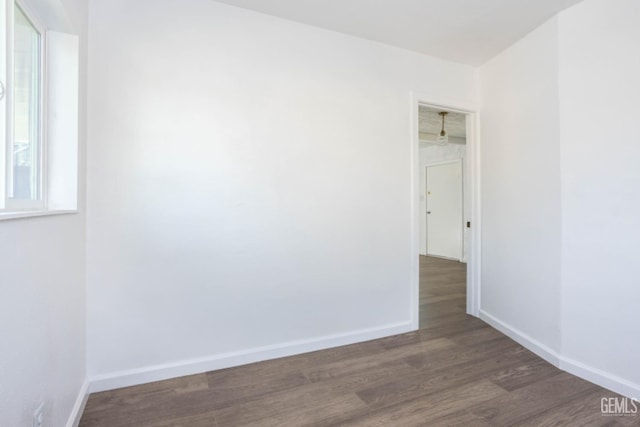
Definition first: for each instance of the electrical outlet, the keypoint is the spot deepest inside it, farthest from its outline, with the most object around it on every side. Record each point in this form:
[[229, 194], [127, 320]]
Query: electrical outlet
[[38, 416]]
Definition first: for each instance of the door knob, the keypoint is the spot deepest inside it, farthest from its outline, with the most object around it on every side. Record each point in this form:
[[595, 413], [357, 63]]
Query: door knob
[[428, 212]]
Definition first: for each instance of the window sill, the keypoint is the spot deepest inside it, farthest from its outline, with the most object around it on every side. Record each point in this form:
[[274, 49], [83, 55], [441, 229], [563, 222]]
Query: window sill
[[32, 214]]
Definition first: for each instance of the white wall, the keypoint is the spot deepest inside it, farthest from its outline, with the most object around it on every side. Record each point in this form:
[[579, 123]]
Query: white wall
[[248, 184], [42, 313], [599, 93], [521, 234], [430, 154], [42, 304], [560, 141]]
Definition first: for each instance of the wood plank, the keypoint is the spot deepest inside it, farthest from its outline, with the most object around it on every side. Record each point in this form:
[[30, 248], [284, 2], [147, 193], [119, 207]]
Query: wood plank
[[427, 409], [519, 376], [531, 400], [582, 411], [435, 380], [439, 347], [236, 384]]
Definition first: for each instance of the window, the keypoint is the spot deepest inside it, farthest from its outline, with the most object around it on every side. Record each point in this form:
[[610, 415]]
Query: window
[[38, 110], [23, 101], [25, 163]]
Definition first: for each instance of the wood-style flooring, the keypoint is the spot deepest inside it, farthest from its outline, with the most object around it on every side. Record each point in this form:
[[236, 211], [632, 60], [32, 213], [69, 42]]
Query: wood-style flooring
[[454, 371]]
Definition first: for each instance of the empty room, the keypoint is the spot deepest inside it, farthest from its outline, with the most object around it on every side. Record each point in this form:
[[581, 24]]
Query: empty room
[[315, 213]]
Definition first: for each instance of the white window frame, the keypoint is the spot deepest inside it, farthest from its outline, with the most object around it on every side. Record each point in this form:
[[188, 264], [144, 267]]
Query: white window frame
[[61, 75], [8, 204]]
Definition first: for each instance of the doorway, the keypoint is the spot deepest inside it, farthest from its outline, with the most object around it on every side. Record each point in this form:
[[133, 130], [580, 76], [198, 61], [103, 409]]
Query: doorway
[[446, 213]]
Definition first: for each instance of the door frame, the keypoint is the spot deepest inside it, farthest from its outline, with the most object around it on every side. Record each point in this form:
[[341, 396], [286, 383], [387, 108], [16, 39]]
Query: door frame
[[461, 162], [473, 172]]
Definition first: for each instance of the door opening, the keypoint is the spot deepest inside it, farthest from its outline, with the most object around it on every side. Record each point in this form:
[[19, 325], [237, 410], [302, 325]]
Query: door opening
[[446, 205]]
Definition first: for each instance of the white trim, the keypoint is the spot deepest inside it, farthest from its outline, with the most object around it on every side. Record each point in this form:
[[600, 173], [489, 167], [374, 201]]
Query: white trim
[[62, 121], [542, 350], [445, 162], [601, 378], [472, 164], [466, 209], [5, 143], [78, 407], [414, 150], [227, 360], [604, 379], [4, 216], [4, 102], [30, 13]]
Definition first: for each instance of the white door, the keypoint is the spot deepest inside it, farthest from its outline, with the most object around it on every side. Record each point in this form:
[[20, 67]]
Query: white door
[[444, 210]]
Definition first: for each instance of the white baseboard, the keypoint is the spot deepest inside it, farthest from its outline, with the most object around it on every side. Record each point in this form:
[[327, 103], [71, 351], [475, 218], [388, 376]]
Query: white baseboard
[[227, 360], [523, 339], [78, 407], [589, 373], [601, 378]]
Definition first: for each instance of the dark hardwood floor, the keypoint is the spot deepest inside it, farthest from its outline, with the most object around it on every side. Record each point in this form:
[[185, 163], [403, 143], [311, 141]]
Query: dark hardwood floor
[[454, 371], [443, 291]]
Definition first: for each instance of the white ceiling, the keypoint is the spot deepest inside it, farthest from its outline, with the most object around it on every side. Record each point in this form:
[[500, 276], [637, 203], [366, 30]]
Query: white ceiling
[[465, 31]]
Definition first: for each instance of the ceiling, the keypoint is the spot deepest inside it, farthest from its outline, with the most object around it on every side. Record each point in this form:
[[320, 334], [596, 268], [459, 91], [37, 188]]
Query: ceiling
[[430, 124], [465, 31]]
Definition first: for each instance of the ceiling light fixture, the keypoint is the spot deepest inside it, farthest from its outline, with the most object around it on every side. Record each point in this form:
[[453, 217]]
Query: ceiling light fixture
[[443, 138]]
